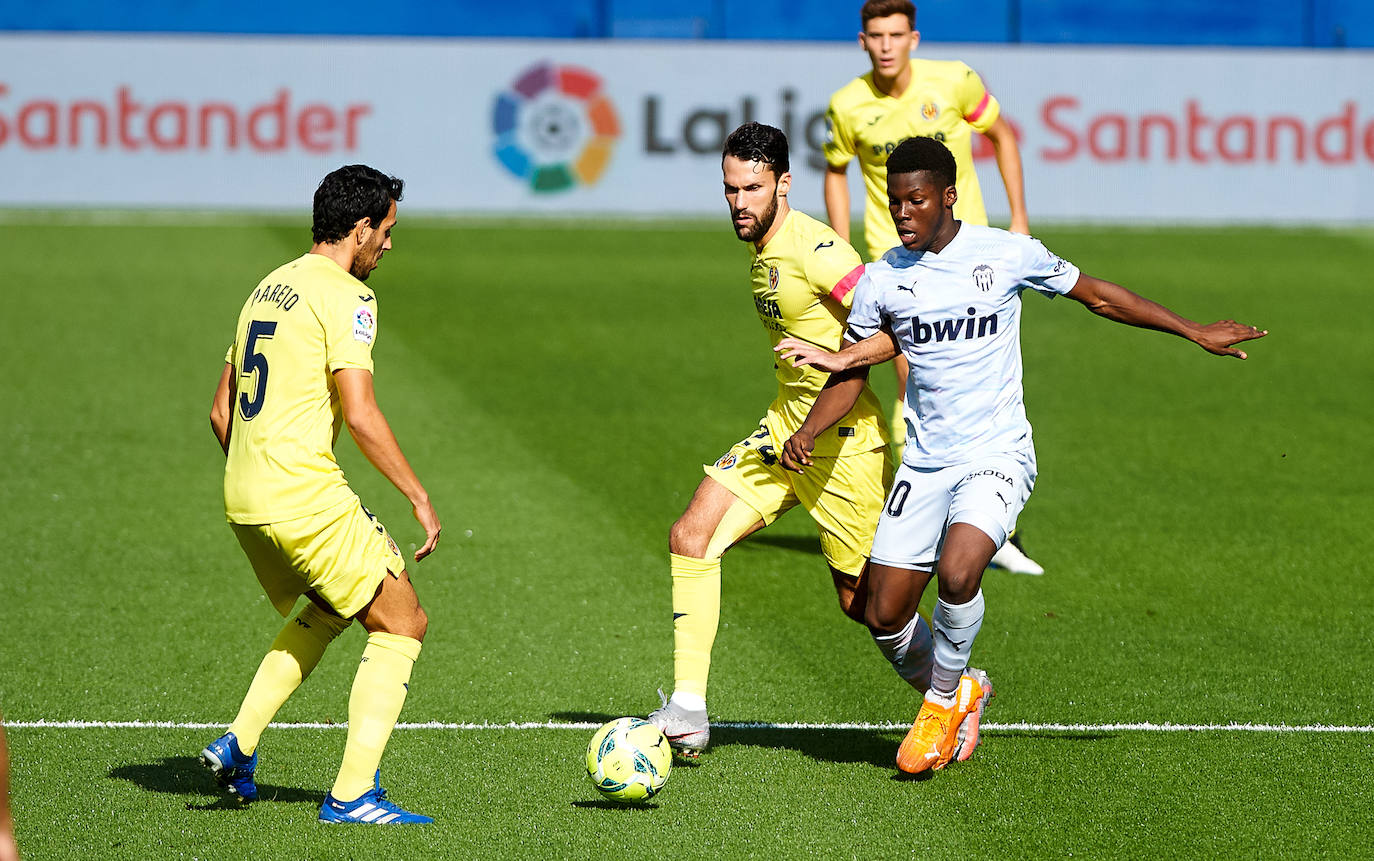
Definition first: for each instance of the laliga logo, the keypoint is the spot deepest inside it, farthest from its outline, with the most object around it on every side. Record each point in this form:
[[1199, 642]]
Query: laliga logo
[[554, 128]]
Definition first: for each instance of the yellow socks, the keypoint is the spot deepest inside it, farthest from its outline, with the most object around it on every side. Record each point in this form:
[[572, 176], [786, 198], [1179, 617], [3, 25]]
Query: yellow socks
[[379, 691], [696, 615], [295, 652]]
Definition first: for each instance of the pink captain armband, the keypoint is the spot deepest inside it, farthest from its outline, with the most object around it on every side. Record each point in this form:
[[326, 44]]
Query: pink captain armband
[[847, 283], [982, 106]]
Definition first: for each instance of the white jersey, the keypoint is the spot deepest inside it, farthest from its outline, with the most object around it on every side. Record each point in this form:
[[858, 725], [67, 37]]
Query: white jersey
[[957, 318]]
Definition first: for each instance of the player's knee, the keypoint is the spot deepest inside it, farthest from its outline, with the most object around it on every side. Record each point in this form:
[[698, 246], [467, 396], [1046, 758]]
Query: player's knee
[[958, 583], [884, 617], [419, 624], [685, 539]]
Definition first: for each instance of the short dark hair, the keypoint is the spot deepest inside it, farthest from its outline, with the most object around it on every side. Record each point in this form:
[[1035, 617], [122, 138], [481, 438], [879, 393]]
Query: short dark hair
[[761, 143], [919, 153], [882, 8], [351, 193]]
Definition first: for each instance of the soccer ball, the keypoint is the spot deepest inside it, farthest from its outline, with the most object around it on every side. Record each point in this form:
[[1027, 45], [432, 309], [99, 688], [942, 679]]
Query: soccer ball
[[629, 759]]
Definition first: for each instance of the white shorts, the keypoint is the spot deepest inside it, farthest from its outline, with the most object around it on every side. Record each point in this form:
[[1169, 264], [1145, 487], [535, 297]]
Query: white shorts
[[987, 493]]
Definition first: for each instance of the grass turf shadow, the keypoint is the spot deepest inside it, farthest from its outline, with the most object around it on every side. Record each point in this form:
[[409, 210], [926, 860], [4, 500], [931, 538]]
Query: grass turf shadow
[[184, 775], [869, 747], [607, 804]]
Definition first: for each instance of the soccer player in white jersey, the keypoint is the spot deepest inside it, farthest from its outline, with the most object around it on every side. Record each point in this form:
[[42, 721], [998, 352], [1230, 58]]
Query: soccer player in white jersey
[[949, 298]]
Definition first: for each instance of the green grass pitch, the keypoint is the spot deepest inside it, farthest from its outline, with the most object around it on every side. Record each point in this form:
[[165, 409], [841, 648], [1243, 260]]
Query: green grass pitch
[[1205, 523]]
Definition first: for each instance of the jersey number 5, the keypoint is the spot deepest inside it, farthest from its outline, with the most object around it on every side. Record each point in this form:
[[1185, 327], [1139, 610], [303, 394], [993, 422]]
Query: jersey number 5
[[255, 364]]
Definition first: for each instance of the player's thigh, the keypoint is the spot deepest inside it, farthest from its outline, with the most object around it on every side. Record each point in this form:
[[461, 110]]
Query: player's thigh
[[912, 526], [748, 475], [844, 496], [280, 581], [343, 553], [395, 609]]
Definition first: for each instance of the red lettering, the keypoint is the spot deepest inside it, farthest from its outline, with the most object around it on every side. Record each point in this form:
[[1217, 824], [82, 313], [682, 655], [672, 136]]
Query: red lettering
[[4, 127], [355, 113], [47, 111], [158, 120], [314, 127], [209, 111], [1343, 124], [1163, 122], [1196, 122], [102, 123], [1048, 113], [1115, 124], [1368, 141], [273, 112], [1227, 130], [1294, 125], [127, 108]]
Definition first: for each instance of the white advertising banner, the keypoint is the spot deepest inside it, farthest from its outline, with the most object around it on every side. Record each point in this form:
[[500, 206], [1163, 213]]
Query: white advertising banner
[[635, 128]]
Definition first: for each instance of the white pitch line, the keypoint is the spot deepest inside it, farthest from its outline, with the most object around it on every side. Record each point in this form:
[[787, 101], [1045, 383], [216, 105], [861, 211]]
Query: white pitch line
[[582, 725]]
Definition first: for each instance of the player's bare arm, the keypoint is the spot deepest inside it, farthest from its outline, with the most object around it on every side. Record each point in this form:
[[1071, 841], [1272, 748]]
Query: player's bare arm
[[378, 444], [839, 396], [837, 199], [1008, 155], [873, 350], [221, 410], [1117, 303]]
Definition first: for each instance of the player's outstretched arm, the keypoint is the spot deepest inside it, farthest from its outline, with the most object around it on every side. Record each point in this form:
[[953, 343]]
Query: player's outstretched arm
[[378, 444], [1117, 303], [222, 409], [873, 350], [1008, 155], [835, 401]]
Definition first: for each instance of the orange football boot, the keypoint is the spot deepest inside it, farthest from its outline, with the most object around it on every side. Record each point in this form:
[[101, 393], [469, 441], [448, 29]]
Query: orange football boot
[[934, 737]]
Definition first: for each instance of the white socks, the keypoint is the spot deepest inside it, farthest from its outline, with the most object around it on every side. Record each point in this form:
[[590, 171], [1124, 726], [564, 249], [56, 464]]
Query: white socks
[[909, 652], [689, 701], [956, 625]]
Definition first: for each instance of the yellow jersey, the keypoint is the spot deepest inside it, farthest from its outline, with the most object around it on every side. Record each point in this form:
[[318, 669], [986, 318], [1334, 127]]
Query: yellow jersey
[[945, 100], [304, 321], [803, 282]]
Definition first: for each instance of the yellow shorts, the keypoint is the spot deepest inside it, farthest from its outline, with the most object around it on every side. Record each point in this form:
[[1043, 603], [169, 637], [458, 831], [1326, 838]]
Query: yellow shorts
[[844, 495], [342, 553]]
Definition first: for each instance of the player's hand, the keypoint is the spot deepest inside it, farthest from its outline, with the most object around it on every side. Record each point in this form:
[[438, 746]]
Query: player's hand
[[1219, 337], [429, 519], [1019, 225], [796, 452], [802, 353]]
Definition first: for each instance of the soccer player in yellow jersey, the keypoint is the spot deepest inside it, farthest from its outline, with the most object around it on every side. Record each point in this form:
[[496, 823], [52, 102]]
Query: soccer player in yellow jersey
[[903, 97], [802, 274], [299, 369]]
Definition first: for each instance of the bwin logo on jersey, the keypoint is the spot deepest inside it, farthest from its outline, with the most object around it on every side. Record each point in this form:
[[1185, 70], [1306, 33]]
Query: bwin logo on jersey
[[982, 276], [966, 328]]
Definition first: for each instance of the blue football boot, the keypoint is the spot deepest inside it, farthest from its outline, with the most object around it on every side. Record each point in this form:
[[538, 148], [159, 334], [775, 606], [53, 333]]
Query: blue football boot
[[370, 808], [231, 768]]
